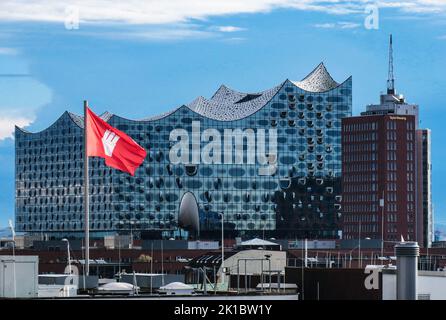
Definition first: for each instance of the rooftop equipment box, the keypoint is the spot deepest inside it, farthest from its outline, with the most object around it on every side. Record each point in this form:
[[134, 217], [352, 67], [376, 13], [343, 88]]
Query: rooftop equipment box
[[19, 276]]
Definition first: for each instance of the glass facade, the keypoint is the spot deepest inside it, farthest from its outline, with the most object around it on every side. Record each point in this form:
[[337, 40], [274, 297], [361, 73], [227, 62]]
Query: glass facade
[[302, 197]]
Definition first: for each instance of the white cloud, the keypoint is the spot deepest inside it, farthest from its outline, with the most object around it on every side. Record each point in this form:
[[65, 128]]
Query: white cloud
[[169, 20], [338, 25], [174, 11], [349, 25], [229, 29], [325, 25], [135, 11], [233, 40], [22, 98], [7, 124], [421, 6], [158, 33], [8, 51]]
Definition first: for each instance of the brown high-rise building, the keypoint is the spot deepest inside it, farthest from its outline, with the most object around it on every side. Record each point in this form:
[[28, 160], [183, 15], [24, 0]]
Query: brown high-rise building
[[379, 177], [386, 172]]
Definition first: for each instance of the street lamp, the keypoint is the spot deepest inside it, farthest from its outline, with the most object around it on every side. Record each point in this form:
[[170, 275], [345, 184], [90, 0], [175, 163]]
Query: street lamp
[[359, 251], [68, 251], [350, 253]]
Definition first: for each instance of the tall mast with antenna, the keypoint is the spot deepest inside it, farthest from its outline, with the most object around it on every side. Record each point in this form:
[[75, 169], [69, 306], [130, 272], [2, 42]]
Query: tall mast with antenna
[[390, 78]]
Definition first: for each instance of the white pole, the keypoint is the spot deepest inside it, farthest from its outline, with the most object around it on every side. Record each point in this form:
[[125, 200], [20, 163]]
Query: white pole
[[306, 253], [13, 256], [13, 264], [86, 198], [222, 250], [69, 258], [68, 255], [135, 283]]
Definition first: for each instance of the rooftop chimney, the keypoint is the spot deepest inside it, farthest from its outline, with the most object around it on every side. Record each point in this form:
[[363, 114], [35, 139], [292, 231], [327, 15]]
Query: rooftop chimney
[[407, 254]]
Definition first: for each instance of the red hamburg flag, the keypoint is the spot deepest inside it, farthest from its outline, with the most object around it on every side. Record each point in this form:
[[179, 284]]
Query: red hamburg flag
[[118, 149]]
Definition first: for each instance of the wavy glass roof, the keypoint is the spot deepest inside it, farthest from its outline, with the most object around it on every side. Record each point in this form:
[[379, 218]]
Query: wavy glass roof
[[319, 80], [228, 105]]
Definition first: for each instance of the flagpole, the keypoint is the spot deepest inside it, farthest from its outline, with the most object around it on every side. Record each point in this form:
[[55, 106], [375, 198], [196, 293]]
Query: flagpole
[[86, 198]]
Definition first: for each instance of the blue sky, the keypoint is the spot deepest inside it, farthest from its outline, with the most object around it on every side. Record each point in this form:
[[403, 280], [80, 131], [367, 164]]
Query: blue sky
[[145, 58]]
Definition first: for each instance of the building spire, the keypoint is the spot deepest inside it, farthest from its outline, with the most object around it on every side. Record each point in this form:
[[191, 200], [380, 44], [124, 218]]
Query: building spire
[[390, 77]]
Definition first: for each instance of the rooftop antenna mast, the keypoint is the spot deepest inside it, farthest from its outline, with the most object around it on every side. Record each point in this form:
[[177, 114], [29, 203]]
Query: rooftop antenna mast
[[390, 78]]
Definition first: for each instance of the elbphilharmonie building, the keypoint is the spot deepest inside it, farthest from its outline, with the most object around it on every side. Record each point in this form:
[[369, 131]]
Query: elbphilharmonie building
[[279, 171]]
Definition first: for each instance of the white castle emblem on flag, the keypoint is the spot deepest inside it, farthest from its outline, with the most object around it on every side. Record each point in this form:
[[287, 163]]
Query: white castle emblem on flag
[[109, 141]]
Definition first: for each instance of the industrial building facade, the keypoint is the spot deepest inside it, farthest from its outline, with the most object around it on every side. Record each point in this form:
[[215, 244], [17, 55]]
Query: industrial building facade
[[294, 193]]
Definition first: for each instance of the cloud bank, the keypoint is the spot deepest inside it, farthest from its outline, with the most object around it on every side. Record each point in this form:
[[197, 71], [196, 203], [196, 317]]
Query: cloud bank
[[7, 124], [177, 11], [22, 97]]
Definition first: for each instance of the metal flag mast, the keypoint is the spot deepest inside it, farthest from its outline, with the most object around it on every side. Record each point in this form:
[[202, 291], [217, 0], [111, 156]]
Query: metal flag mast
[[86, 197]]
